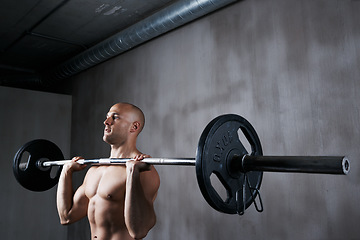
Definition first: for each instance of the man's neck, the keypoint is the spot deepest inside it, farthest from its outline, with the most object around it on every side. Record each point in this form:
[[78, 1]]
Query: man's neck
[[123, 151]]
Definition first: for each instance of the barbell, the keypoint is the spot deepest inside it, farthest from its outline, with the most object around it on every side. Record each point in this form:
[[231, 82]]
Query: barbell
[[220, 153]]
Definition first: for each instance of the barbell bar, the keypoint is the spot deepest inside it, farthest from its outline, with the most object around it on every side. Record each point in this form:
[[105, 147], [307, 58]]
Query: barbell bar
[[109, 161], [219, 153], [245, 163]]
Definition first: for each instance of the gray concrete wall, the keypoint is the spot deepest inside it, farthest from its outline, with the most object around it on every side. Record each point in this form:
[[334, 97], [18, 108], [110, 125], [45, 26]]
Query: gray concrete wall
[[290, 67], [24, 116]]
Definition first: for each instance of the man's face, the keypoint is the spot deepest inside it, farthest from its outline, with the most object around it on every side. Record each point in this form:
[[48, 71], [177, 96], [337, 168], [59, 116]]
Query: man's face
[[117, 125]]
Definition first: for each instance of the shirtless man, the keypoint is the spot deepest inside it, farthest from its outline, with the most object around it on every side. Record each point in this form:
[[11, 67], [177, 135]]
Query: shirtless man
[[117, 199]]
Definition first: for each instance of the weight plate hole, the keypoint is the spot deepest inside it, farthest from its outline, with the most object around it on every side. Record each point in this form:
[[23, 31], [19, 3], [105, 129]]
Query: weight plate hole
[[218, 186], [244, 141], [54, 171], [24, 161]]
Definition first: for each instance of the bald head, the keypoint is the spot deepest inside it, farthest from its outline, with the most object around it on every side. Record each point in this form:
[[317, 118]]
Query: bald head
[[134, 112]]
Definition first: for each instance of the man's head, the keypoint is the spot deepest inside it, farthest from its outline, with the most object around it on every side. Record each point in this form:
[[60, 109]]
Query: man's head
[[123, 123]]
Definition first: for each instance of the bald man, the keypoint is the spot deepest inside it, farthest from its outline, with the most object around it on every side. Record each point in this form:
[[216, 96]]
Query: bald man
[[117, 199]]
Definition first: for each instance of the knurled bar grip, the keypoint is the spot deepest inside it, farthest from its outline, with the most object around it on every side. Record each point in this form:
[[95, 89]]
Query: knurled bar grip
[[245, 163]]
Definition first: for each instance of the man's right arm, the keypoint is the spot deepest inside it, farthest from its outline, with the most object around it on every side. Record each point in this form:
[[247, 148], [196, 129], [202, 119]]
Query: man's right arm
[[71, 206]]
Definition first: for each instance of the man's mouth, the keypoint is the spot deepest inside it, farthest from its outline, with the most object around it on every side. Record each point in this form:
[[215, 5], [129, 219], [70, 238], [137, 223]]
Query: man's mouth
[[107, 130]]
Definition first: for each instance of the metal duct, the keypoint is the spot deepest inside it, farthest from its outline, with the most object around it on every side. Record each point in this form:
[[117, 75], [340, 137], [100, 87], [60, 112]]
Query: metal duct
[[169, 18]]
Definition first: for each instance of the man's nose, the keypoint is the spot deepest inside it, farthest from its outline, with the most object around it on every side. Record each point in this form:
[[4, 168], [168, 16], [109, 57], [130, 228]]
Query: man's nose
[[108, 121]]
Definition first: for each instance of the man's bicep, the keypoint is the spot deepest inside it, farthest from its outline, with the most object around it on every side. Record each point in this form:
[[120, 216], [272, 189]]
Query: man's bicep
[[151, 183], [80, 204]]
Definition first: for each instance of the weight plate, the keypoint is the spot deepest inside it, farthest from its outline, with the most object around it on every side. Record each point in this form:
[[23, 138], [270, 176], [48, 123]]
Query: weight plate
[[218, 143], [29, 174]]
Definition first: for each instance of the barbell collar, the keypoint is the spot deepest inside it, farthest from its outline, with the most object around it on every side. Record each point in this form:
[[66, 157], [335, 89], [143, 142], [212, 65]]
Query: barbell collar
[[297, 164]]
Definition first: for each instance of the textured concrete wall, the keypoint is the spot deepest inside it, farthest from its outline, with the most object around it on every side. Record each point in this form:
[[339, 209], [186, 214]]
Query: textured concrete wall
[[290, 67], [27, 115]]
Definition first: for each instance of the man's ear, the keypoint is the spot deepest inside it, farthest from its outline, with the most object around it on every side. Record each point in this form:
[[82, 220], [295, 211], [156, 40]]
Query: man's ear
[[135, 127]]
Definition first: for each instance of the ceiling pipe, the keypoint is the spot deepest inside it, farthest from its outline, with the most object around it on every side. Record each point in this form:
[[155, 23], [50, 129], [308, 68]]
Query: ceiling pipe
[[167, 19]]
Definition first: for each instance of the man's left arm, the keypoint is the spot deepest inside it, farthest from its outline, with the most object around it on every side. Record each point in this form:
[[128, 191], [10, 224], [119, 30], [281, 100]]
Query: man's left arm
[[142, 184]]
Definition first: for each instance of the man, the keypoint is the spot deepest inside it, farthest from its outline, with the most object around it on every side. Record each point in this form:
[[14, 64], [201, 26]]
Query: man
[[117, 199]]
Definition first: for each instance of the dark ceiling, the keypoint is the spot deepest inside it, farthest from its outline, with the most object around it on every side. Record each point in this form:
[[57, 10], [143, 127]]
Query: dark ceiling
[[37, 35]]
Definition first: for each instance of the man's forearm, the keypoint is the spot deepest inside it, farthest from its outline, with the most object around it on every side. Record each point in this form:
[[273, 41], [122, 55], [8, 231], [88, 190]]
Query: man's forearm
[[139, 212], [64, 197]]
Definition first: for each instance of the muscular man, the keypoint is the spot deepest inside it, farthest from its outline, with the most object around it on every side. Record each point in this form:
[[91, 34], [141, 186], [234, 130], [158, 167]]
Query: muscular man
[[117, 199]]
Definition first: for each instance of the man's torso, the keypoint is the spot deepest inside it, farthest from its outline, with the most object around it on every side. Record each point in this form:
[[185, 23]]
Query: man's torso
[[105, 188]]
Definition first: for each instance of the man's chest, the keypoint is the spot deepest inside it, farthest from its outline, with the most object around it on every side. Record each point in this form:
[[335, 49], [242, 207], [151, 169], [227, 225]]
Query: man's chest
[[106, 181]]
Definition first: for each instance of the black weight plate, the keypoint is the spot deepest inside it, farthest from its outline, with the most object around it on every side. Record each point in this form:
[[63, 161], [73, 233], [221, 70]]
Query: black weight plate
[[32, 177], [218, 143]]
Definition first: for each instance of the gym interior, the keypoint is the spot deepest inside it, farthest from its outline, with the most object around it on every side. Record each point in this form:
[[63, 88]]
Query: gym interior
[[291, 68]]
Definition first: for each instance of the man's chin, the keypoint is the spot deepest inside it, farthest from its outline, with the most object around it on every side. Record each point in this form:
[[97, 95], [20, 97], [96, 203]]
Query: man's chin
[[106, 139]]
